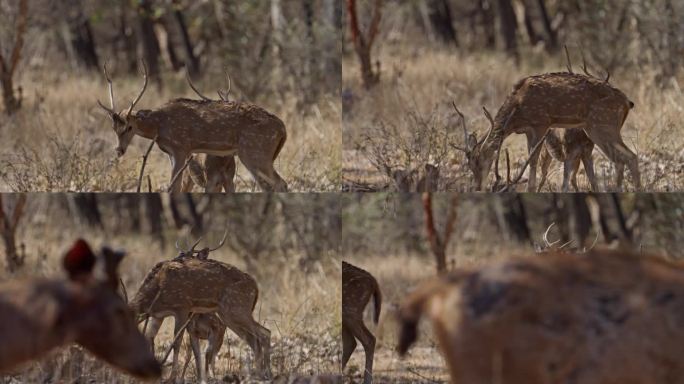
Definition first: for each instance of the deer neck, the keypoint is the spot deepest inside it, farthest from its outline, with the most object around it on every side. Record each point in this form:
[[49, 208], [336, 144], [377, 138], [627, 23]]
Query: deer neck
[[146, 128]]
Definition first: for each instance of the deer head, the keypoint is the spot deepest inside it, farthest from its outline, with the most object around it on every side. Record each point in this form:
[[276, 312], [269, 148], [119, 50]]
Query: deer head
[[203, 253], [476, 163], [125, 122]]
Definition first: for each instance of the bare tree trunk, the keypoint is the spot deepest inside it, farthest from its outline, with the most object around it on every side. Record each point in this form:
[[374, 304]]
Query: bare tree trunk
[[167, 43], [84, 207], [364, 42], [512, 217], [126, 39], [552, 39], [81, 38], [509, 27], [7, 68], [580, 218], [333, 65], [153, 215], [150, 43], [11, 211], [441, 21], [529, 24], [191, 61], [438, 243], [487, 14]]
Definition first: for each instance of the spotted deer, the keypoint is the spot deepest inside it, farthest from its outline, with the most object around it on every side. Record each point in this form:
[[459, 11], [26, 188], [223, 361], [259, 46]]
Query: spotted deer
[[182, 127], [39, 315], [206, 326], [199, 285], [358, 286], [212, 173], [559, 100], [568, 146], [604, 316]]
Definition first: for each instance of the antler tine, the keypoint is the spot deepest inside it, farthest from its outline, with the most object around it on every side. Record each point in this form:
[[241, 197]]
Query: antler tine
[[192, 249], [130, 109], [567, 56], [220, 244], [546, 236], [187, 77], [463, 124], [224, 96], [110, 111], [111, 87], [488, 115]]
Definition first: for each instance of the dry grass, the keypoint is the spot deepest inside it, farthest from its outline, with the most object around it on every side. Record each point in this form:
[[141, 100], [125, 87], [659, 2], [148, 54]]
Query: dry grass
[[424, 81], [61, 140], [303, 311]]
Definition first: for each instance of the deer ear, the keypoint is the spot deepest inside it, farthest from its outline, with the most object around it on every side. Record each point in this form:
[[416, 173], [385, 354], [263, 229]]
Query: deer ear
[[112, 259], [79, 260]]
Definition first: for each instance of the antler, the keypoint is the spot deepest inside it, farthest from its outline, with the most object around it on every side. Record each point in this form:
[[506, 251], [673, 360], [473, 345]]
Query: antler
[[130, 109], [220, 244], [112, 110], [224, 96], [187, 77], [546, 237], [465, 130]]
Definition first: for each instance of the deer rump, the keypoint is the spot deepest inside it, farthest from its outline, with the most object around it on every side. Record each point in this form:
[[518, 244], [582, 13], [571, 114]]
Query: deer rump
[[203, 285], [603, 317], [208, 125]]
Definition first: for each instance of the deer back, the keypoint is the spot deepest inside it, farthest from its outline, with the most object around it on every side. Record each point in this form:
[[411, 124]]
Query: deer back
[[559, 318]]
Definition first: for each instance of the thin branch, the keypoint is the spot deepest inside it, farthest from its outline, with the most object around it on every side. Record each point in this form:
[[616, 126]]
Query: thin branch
[[142, 168], [180, 172]]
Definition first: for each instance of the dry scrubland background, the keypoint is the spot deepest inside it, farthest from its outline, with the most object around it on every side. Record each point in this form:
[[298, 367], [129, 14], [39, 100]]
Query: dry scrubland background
[[405, 119], [283, 59], [287, 242], [385, 234]]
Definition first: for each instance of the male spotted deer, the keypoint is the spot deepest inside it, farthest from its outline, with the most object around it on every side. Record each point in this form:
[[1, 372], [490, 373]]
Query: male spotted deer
[[557, 100], [199, 285], [358, 286], [600, 317], [38, 315], [182, 127]]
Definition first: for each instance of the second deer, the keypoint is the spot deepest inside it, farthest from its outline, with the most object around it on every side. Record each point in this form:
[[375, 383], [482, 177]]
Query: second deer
[[557, 100], [198, 285], [212, 173], [358, 286]]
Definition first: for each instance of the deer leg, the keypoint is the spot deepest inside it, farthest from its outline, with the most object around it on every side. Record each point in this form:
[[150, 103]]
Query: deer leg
[[177, 163], [619, 175], [261, 168], [228, 181], [348, 344], [179, 320], [588, 163], [367, 340], [545, 163], [573, 174], [567, 167], [213, 348], [199, 363], [614, 148], [152, 329], [256, 336], [532, 140]]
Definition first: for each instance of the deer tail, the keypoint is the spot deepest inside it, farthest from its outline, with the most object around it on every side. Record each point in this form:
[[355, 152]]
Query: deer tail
[[377, 302], [280, 144]]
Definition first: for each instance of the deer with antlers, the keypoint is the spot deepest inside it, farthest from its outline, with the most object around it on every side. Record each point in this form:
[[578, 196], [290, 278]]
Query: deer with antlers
[[358, 286], [599, 317], [199, 285], [559, 100], [182, 127], [38, 315]]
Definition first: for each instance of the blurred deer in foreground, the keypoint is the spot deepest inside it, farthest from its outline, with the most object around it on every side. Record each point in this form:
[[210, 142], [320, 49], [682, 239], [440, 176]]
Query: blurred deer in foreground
[[199, 285], [599, 317], [556, 100], [358, 286], [182, 127], [39, 315]]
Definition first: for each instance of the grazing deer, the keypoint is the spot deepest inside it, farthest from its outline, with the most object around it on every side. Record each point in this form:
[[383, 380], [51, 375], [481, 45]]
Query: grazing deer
[[560, 100], [206, 326], [568, 146], [357, 288], [213, 173], [189, 284], [599, 317], [182, 127], [38, 315]]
